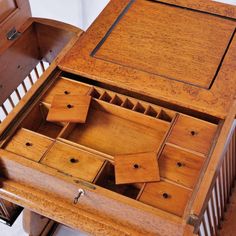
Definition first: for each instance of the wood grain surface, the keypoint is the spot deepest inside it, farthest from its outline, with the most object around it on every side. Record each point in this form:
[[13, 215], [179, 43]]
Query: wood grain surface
[[214, 100]]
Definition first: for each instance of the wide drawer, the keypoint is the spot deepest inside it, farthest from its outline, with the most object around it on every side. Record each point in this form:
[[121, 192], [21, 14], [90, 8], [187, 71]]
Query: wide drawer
[[116, 125]]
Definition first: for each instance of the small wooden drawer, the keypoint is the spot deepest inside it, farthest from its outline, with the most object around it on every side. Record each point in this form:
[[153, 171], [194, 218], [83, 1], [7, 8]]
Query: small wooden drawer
[[29, 144], [180, 166], [73, 161], [193, 134], [166, 196], [64, 86]]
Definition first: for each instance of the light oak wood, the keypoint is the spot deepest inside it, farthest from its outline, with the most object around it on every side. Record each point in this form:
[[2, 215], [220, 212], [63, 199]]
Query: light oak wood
[[180, 166], [214, 100], [29, 144], [166, 196], [64, 86], [136, 168], [193, 134], [72, 161], [161, 78], [69, 108]]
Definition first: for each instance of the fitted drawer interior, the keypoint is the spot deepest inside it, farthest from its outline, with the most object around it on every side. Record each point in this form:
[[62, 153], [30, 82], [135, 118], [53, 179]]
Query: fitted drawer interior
[[118, 125]]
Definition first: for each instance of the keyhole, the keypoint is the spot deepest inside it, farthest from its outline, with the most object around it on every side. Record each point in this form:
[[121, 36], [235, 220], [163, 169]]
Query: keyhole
[[73, 160], [179, 164], [165, 195], [193, 133], [28, 144], [66, 92], [69, 106], [136, 166]]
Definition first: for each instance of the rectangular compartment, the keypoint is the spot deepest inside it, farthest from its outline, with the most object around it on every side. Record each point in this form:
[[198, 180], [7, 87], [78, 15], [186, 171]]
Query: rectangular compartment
[[73, 161], [180, 166], [64, 86], [28, 144], [106, 179], [114, 130], [193, 134], [166, 196], [36, 121]]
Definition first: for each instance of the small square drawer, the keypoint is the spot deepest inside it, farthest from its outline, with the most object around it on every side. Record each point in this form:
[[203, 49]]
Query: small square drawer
[[73, 161], [29, 144], [180, 166], [166, 196], [65, 86], [193, 134]]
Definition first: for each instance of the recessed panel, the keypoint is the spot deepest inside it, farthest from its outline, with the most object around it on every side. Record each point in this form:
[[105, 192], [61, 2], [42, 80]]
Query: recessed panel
[[169, 41]]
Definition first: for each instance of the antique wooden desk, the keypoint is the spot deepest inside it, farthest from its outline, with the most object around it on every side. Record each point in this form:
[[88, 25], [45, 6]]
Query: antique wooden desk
[[162, 77]]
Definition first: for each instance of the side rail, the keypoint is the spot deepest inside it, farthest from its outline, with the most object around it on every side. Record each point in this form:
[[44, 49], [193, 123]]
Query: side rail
[[213, 196]]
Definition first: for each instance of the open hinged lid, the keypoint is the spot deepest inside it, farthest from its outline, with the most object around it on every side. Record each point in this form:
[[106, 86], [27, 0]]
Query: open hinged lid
[[13, 14], [173, 53]]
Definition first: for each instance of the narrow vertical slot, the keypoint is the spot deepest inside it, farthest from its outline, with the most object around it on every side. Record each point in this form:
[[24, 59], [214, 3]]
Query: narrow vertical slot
[[94, 93], [150, 111], [128, 104], [116, 101], [105, 97], [139, 108], [163, 115]]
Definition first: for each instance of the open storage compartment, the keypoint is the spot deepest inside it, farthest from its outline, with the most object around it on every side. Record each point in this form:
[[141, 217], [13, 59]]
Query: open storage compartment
[[117, 124], [28, 47]]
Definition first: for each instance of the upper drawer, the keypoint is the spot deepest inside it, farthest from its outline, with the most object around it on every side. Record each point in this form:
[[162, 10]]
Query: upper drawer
[[179, 55]]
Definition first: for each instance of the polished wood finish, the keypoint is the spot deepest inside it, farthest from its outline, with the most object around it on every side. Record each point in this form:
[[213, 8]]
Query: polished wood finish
[[29, 144], [163, 33], [166, 196], [160, 76], [136, 168], [69, 108], [73, 161], [180, 166], [212, 94], [194, 131], [13, 14]]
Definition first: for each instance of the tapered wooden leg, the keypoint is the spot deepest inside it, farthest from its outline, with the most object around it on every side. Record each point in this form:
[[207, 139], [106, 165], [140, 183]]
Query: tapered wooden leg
[[37, 225]]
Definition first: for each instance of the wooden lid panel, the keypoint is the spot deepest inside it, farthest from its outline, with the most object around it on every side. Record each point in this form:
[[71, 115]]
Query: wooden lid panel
[[180, 56], [163, 44]]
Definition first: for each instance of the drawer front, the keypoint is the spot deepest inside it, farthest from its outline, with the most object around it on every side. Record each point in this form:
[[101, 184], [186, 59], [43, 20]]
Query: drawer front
[[65, 86], [72, 161], [28, 144], [166, 196], [193, 134], [180, 166]]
